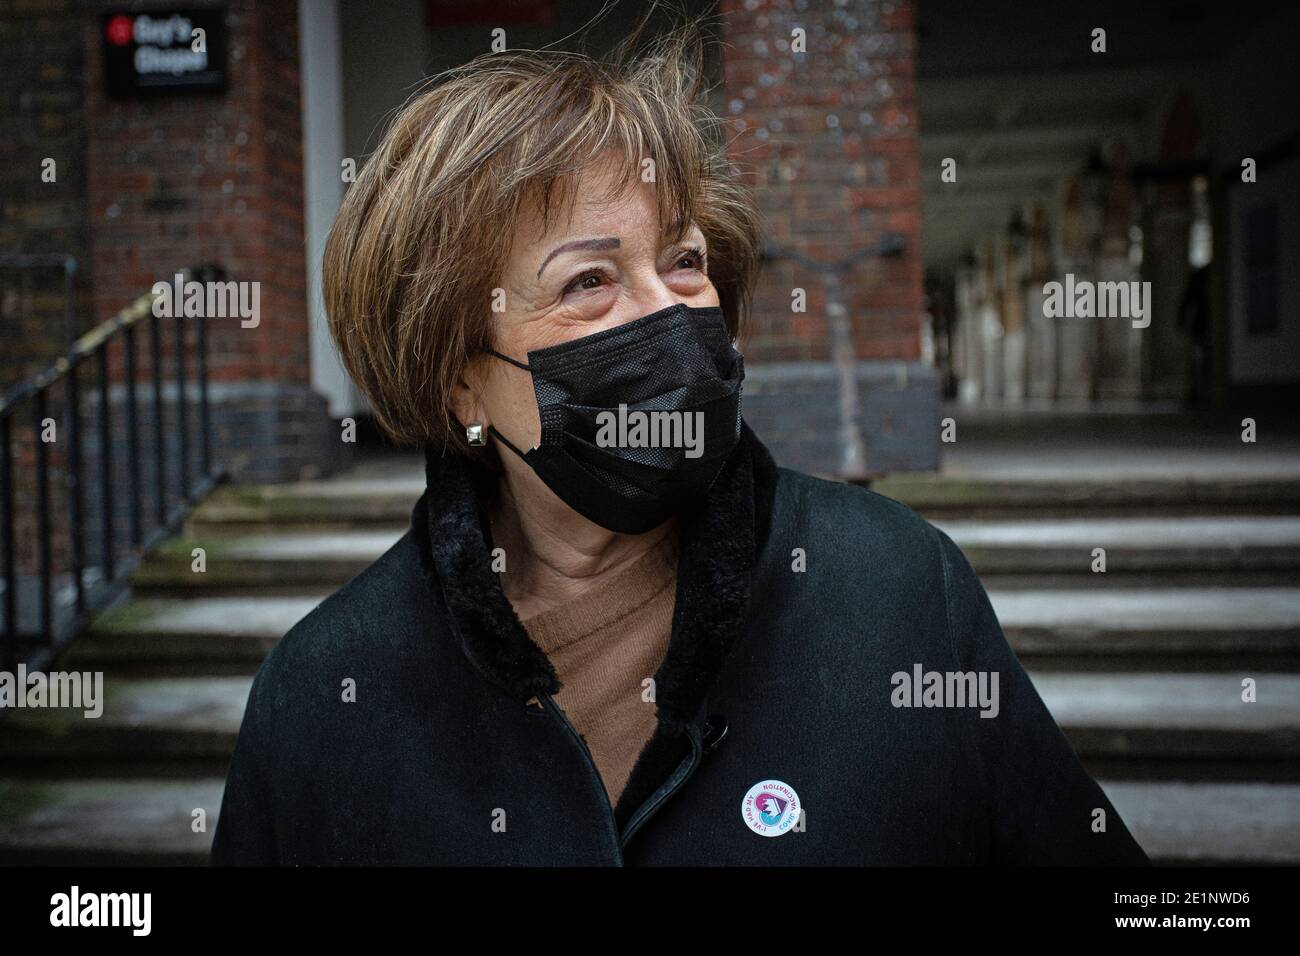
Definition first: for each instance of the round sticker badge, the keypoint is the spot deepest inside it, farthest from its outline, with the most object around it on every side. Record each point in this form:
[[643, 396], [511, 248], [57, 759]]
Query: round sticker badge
[[770, 808]]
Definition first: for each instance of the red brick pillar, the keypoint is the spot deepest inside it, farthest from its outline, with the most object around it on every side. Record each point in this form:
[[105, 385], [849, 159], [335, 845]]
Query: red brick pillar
[[829, 136], [183, 178]]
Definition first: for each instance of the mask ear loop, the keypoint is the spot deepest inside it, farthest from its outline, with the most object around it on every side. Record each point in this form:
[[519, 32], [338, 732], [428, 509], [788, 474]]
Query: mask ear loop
[[506, 441], [492, 428], [507, 358]]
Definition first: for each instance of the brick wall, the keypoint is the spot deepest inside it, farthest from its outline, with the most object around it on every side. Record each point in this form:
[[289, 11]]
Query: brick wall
[[828, 138], [176, 179], [187, 178], [41, 88], [831, 138], [146, 186]]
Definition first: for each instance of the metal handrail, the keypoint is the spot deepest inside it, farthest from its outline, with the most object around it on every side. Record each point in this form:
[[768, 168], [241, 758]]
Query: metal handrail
[[853, 463], [115, 563]]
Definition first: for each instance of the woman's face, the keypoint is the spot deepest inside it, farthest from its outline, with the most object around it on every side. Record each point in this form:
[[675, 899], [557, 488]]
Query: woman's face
[[605, 265]]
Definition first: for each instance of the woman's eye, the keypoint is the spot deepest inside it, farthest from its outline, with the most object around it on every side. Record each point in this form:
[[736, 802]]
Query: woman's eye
[[693, 258], [585, 282]]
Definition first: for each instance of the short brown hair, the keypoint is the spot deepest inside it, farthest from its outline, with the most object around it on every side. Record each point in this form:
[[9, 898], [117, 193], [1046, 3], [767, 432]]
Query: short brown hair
[[407, 295]]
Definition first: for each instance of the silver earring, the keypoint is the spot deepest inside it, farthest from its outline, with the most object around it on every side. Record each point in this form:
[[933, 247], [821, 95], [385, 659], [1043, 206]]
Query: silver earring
[[474, 435]]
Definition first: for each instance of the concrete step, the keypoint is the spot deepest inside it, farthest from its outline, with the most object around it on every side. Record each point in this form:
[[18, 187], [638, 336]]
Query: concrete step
[[992, 495], [384, 493], [280, 563], [1172, 628], [1167, 725], [1140, 552], [187, 636], [143, 822], [1221, 824], [163, 726], [361, 498], [107, 822], [1169, 720], [1162, 628]]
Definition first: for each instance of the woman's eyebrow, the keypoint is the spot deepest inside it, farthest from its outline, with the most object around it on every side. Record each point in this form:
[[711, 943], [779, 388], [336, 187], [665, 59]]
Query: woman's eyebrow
[[601, 244]]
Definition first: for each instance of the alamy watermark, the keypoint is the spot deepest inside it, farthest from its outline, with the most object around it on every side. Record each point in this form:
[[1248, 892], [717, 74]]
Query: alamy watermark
[[72, 689], [1085, 299], [212, 300], [922, 688], [75, 908], [657, 429]]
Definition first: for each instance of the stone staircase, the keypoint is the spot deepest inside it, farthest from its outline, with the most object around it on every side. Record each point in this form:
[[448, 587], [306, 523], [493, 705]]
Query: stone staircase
[[1142, 666]]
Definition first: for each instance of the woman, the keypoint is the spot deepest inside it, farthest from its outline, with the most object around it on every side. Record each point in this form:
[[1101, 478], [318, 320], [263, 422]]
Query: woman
[[615, 632]]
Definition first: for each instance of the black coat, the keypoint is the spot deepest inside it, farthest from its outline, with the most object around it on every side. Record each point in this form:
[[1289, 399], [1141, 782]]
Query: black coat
[[772, 673]]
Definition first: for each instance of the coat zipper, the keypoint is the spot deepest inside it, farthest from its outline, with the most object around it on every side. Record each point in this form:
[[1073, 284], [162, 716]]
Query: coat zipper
[[673, 784], [611, 824], [657, 799]]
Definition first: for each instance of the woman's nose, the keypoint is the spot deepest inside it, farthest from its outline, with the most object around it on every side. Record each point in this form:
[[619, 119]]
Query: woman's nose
[[652, 294]]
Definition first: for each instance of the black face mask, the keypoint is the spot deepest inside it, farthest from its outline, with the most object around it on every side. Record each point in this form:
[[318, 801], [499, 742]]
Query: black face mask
[[604, 450]]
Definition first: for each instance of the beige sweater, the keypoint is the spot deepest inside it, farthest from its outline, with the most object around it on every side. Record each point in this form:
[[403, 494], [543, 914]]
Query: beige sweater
[[603, 645]]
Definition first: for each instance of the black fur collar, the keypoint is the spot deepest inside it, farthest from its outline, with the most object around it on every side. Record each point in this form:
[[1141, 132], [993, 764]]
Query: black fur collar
[[720, 539]]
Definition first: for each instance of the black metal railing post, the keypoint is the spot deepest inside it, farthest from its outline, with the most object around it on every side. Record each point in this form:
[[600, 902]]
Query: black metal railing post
[[205, 411], [72, 479], [105, 465], [7, 549], [44, 532], [159, 451], [182, 415], [132, 438]]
